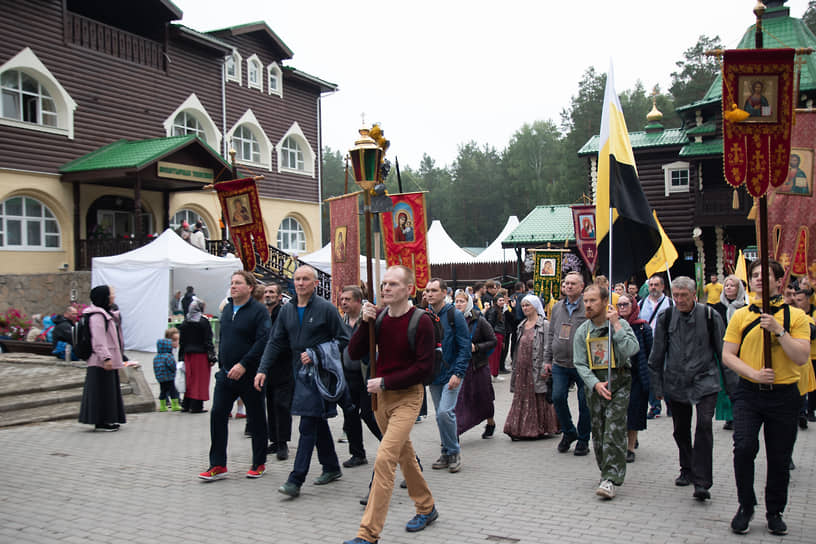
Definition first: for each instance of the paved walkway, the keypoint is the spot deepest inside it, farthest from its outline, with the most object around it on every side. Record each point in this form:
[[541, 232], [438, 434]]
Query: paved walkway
[[63, 483]]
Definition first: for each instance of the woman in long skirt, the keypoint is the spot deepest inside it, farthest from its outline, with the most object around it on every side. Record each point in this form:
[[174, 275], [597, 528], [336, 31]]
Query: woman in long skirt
[[531, 416], [198, 353], [102, 404], [475, 402]]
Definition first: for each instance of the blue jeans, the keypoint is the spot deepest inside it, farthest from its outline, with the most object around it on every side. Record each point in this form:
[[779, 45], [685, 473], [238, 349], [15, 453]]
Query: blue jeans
[[444, 400], [562, 379], [314, 431]]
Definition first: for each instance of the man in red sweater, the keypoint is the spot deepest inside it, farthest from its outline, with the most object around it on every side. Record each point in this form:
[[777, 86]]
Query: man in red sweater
[[397, 382]]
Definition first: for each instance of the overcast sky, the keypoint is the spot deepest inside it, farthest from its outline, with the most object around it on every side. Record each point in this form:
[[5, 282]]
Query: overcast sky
[[437, 74]]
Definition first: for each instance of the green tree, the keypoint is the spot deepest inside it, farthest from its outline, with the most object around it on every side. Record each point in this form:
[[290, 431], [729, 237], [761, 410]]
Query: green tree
[[533, 165], [476, 175], [637, 103], [334, 174], [696, 71]]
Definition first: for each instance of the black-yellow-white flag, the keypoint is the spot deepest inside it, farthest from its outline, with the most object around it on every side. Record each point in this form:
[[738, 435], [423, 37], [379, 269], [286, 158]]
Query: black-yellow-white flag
[[635, 236]]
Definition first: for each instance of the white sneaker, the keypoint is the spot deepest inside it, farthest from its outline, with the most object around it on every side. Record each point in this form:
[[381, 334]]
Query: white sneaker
[[606, 490]]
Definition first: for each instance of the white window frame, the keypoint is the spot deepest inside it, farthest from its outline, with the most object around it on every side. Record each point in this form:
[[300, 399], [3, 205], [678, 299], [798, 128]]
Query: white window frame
[[27, 62], [243, 135], [309, 156], [286, 232], [274, 70], [47, 216], [237, 59], [265, 145], [254, 62], [191, 216], [678, 166], [192, 106]]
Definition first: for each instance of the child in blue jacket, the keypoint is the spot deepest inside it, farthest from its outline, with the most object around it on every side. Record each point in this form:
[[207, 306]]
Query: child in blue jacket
[[164, 366]]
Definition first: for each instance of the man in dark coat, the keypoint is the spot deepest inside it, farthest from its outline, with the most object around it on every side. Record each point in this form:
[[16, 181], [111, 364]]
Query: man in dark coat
[[243, 334], [280, 386], [302, 324], [64, 325]]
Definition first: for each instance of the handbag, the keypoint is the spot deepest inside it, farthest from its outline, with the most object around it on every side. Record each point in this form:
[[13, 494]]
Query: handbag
[[181, 378]]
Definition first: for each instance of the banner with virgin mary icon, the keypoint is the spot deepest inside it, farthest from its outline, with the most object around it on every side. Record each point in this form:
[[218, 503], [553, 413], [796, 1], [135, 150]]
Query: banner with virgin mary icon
[[242, 210], [757, 117], [405, 235]]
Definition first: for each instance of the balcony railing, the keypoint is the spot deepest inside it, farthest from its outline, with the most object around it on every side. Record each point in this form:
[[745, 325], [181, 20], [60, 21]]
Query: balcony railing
[[84, 32]]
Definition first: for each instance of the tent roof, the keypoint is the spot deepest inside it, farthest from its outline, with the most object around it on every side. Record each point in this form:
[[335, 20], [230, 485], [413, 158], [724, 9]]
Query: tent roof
[[494, 253], [167, 250], [442, 249]]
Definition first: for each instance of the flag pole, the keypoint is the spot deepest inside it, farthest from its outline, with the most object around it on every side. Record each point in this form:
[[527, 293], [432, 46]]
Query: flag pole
[[609, 352]]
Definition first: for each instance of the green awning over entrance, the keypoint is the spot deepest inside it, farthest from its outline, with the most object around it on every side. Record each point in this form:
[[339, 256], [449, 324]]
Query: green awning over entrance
[[547, 223]]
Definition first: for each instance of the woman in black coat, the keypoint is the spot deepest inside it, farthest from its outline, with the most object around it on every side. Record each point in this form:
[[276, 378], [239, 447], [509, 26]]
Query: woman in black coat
[[198, 353]]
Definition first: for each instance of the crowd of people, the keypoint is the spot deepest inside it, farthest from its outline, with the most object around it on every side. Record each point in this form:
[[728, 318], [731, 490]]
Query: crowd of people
[[624, 356]]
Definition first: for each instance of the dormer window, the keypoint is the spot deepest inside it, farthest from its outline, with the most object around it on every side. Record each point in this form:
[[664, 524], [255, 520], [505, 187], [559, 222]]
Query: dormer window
[[274, 79], [232, 67], [254, 69]]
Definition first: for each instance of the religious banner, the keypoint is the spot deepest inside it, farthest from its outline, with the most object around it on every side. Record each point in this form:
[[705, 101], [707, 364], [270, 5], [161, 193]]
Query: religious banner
[[405, 235], [583, 218], [729, 258], [242, 209], [345, 243], [757, 117], [791, 227], [547, 274]]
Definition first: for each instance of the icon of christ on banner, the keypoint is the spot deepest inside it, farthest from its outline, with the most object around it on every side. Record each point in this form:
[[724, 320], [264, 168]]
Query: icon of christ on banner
[[345, 242]]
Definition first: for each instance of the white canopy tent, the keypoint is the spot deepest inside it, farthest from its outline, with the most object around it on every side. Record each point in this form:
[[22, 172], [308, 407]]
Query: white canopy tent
[[495, 253], [321, 259], [442, 249], [146, 278]]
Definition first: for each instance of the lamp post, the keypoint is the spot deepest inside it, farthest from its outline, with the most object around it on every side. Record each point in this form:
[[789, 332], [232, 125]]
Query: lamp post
[[366, 157]]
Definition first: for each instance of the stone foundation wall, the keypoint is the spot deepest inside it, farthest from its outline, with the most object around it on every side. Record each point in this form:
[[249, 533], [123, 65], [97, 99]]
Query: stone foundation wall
[[43, 293]]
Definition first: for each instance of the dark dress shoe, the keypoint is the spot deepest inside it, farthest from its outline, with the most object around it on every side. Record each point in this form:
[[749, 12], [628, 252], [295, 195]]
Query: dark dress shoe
[[682, 480], [272, 448], [355, 461], [283, 452], [701, 493]]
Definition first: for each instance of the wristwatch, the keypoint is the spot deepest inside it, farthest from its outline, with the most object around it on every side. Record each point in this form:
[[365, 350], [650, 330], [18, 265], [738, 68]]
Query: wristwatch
[[781, 334]]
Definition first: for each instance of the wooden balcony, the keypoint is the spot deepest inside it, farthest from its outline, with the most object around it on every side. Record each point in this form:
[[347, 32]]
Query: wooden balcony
[[88, 249], [713, 207], [89, 34]]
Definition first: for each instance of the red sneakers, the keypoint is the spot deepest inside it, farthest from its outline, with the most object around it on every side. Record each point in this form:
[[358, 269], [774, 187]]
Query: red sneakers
[[256, 471], [213, 473]]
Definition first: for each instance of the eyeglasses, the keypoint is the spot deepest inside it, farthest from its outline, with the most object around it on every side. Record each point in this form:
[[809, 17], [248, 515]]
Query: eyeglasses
[[623, 304]]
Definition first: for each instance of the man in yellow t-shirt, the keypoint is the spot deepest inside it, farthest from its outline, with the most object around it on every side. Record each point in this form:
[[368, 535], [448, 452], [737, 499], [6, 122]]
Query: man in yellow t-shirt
[[765, 396], [802, 300], [713, 290]]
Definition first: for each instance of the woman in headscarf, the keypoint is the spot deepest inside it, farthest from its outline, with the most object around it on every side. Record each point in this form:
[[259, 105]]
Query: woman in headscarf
[[639, 396], [102, 404], [198, 353], [732, 299], [531, 416], [476, 396]]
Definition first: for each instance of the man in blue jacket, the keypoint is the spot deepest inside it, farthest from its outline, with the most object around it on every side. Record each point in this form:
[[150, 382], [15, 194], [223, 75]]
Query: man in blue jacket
[[243, 334], [302, 324], [445, 387]]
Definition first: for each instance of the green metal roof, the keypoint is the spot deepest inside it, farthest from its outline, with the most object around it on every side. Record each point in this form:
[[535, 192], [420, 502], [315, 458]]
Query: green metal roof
[[702, 149], [779, 31], [642, 140], [705, 128], [132, 154], [547, 223]]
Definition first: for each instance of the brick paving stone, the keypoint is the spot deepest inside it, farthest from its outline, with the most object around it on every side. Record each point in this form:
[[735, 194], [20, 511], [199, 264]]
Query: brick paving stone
[[58, 475]]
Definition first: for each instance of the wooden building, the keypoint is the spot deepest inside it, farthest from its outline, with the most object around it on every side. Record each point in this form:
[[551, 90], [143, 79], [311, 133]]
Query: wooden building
[[681, 170], [114, 116]]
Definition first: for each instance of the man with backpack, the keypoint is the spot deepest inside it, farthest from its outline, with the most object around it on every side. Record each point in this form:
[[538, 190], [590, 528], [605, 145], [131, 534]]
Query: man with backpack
[[445, 387], [407, 341], [685, 369]]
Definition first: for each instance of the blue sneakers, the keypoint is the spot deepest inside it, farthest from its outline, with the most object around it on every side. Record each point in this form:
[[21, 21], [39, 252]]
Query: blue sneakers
[[359, 540], [420, 521]]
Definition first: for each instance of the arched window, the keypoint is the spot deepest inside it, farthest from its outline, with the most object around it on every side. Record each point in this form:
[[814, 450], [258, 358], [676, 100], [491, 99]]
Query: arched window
[[246, 145], [291, 155], [232, 67], [291, 236], [274, 79], [24, 99], [254, 69], [31, 97], [27, 223], [186, 123], [191, 217]]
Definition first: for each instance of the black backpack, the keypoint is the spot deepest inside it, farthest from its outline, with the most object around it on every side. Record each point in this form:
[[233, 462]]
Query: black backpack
[[81, 336], [439, 333]]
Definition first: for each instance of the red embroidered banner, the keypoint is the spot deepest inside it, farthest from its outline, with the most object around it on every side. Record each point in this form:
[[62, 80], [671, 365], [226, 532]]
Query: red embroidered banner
[[729, 258], [790, 208], [242, 208], [583, 219], [405, 235], [345, 243], [756, 148]]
